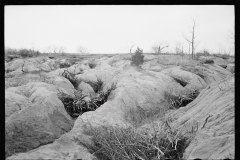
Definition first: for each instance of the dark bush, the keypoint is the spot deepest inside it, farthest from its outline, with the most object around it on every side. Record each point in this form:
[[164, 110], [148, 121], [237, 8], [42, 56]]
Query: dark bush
[[137, 57], [64, 65], [28, 53], [208, 61]]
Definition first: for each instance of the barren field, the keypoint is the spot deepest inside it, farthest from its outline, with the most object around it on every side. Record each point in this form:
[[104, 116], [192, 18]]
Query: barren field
[[99, 106]]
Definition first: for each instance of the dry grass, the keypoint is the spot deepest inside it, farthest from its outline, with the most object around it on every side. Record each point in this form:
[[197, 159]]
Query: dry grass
[[177, 100], [117, 143], [176, 60], [77, 104], [195, 70]]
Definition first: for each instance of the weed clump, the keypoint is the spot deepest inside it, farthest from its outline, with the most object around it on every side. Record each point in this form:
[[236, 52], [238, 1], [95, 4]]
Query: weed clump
[[129, 143], [79, 103], [137, 57], [180, 100]]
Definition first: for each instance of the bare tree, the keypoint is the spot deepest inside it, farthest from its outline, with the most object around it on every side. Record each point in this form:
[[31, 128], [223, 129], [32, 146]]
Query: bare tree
[[206, 51], [193, 38], [179, 48], [224, 50], [158, 47], [61, 49], [82, 50], [55, 49], [231, 36]]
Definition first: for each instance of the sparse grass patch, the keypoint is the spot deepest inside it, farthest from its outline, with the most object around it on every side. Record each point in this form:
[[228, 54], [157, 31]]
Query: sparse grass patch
[[181, 99], [194, 70], [131, 144], [223, 56]]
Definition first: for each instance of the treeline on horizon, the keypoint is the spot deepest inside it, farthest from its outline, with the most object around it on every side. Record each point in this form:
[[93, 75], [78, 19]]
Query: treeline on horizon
[[25, 53]]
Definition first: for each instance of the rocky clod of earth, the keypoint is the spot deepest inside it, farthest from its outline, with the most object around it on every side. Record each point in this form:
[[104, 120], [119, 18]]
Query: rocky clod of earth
[[37, 126]]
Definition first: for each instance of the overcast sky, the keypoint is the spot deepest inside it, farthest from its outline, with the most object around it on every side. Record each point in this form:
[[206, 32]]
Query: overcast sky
[[114, 29]]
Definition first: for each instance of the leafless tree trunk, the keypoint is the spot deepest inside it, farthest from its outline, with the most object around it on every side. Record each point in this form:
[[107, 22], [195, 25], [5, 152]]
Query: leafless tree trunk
[[131, 48], [192, 41], [23, 66]]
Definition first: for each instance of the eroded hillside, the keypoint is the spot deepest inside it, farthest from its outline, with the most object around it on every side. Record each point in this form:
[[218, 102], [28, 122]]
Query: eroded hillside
[[37, 125]]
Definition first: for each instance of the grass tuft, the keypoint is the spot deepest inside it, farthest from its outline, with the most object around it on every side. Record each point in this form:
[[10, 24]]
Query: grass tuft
[[180, 100], [131, 144]]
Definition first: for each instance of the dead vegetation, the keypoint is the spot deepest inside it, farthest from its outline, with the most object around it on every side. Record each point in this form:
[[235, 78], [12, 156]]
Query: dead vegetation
[[181, 99], [131, 144], [79, 103]]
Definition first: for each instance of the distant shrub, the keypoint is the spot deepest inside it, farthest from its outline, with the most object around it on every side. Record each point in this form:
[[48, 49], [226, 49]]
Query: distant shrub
[[22, 52], [209, 61], [137, 57], [25, 53], [64, 65], [203, 53], [223, 56], [10, 51]]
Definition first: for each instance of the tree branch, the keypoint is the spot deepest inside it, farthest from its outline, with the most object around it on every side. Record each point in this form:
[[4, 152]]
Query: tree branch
[[186, 38]]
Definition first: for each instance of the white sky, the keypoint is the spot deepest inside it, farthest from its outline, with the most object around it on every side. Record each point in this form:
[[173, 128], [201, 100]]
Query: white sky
[[114, 28]]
